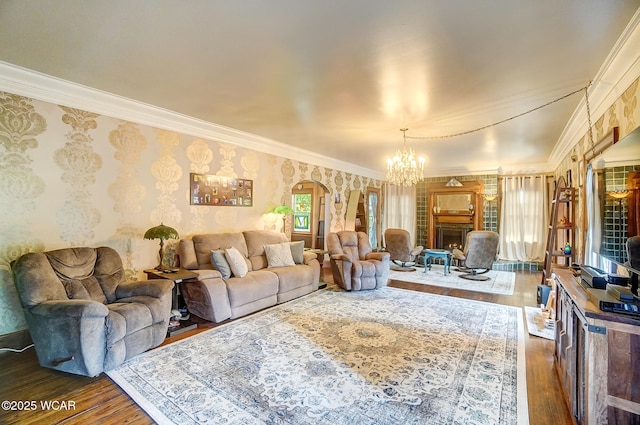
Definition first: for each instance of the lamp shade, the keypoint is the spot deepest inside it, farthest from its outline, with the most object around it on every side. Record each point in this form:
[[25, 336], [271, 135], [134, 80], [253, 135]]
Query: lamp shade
[[283, 209], [161, 232]]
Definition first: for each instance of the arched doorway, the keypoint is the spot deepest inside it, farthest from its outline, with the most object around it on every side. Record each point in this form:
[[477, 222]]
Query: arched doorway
[[311, 213]]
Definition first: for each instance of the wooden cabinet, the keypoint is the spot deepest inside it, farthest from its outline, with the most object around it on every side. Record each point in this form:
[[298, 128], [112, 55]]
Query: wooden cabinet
[[597, 356]]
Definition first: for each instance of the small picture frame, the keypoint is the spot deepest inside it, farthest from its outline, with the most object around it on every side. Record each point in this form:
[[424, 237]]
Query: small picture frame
[[569, 182]]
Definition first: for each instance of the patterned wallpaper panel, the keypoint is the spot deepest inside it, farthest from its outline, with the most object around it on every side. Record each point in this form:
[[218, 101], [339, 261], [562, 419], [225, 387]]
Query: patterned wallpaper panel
[[72, 178], [624, 114]]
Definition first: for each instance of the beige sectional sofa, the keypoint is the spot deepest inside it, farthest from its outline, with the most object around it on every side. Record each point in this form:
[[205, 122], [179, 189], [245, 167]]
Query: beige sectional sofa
[[259, 274]]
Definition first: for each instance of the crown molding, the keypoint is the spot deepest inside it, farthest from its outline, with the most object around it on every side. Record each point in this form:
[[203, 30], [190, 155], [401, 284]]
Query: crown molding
[[28, 83], [618, 72]]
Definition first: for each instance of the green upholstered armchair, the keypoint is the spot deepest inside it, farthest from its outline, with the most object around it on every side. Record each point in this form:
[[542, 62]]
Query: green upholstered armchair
[[354, 265], [83, 317]]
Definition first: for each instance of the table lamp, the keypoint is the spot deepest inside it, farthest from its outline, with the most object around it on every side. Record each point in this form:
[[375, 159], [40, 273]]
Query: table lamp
[[284, 210], [163, 233]]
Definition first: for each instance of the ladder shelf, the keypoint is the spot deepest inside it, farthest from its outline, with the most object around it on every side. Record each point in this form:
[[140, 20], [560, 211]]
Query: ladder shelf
[[561, 230]]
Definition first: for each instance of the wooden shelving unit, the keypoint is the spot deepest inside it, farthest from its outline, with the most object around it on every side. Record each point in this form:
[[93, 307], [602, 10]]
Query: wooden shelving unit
[[319, 242], [361, 214], [561, 230]]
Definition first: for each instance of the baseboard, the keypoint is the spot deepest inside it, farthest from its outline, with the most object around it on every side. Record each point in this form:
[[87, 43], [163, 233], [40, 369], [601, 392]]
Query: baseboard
[[513, 266]]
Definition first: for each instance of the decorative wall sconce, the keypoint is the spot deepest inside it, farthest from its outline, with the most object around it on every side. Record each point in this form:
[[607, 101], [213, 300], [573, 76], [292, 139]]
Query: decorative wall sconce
[[619, 194], [490, 196]]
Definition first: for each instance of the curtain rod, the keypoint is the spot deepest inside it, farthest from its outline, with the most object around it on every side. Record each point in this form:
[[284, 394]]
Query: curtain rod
[[502, 176]]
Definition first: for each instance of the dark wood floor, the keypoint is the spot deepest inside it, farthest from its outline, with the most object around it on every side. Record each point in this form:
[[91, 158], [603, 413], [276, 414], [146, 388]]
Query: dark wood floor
[[98, 400]]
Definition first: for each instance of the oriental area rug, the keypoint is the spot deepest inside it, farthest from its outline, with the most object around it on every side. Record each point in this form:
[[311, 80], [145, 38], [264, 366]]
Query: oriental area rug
[[389, 356], [500, 282]]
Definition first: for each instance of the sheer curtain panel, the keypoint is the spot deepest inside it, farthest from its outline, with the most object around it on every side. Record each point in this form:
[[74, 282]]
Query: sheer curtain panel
[[400, 208], [525, 218], [594, 222]]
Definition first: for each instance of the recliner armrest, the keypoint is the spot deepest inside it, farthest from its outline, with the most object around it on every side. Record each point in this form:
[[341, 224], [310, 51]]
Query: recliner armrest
[[156, 288], [341, 257], [70, 308], [381, 256], [417, 250]]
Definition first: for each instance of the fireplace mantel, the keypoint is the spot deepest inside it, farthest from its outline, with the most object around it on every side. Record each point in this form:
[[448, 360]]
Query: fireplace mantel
[[454, 206]]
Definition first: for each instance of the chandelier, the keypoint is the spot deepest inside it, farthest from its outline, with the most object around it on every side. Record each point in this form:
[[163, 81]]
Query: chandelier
[[404, 169]]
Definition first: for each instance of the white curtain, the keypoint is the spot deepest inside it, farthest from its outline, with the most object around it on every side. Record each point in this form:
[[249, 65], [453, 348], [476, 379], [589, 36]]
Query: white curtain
[[594, 220], [524, 219], [400, 209]]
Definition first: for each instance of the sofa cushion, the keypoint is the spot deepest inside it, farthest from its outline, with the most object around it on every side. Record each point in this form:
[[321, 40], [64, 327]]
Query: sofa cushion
[[256, 240], [297, 251], [236, 262], [203, 244], [290, 278], [126, 318], [187, 254], [279, 255], [84, 289], [219, 262], [254, 286]]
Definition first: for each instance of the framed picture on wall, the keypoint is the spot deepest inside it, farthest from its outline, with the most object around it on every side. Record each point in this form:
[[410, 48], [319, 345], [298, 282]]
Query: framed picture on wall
[[569, 182], [209, 189]]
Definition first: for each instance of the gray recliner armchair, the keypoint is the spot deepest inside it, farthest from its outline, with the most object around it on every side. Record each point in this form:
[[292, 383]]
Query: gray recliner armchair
[[82, 315], [480, 252], [402, 252], [354, 265]]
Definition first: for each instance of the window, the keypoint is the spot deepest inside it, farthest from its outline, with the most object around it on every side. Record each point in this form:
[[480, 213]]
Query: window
[[302, 212]]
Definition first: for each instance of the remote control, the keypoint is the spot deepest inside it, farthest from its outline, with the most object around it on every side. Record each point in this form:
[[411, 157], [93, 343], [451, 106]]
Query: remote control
[[623, 308]]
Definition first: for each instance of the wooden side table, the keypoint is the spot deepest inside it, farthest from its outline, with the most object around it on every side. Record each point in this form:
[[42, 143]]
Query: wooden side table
[[320, 253], [177, 277]]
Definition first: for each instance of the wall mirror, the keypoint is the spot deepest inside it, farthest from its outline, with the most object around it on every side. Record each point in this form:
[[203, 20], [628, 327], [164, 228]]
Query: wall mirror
[[454, 203], [612, 201]]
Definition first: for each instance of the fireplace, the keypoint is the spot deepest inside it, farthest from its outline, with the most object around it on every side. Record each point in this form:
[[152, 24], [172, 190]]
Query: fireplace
[[451, 235], [453, 211]]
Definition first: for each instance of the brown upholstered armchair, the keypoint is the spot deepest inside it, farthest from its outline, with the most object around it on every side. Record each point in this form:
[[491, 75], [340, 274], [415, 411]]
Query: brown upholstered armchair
[[354, 265], [403, 252], [480, 252], [83, 317]]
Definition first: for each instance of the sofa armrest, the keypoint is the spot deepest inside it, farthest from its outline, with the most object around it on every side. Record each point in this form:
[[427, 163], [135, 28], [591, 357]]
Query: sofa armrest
[[309, 256], [207, 274], [70, 308], [207, 297], [156, 288]]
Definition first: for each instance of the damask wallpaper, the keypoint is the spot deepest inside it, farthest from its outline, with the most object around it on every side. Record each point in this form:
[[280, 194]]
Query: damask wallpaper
[[72, 178], [69, 177]]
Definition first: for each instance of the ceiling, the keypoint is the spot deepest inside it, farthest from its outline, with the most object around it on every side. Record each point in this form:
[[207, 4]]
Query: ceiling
[[339, 78]]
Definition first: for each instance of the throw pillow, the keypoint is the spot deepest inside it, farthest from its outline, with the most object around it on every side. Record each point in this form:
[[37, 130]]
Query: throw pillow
[[219, 262], [279, 255], [236, 262], [297, 251]]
